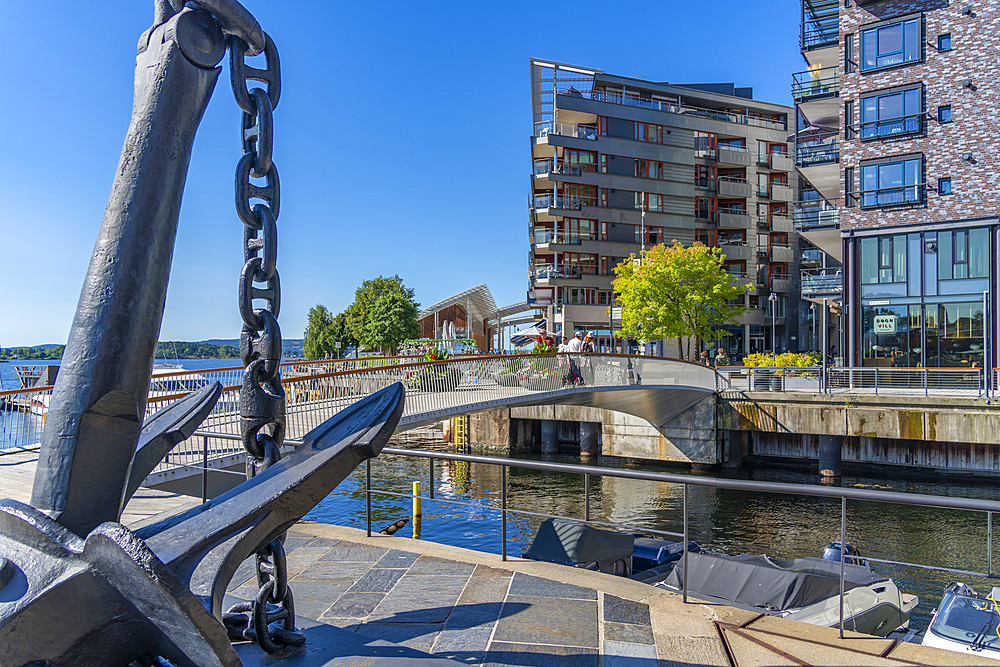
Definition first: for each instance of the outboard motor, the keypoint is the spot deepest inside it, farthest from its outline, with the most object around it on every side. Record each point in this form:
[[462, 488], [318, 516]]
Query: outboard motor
[[852, 555]]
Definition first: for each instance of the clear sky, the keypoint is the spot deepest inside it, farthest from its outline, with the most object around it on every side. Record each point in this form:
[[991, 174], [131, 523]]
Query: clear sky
[[401, 137]]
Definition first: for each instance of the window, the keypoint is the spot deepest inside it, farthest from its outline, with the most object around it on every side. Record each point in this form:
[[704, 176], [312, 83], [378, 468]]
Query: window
[[963, 253], [892, 181], [651, 202], [849, 119], [648, 169], [849, 64], [888, 44], [944, 42], [704, 177], [944, 114], [654, 235], [706, 208], [891, 113], [649, 132], [849, 185], [707, 237], [883, 259], [705, 143], [944, 186]]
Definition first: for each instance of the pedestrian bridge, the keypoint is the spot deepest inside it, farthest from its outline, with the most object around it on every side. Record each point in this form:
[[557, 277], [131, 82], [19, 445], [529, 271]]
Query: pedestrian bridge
[[652, 388]]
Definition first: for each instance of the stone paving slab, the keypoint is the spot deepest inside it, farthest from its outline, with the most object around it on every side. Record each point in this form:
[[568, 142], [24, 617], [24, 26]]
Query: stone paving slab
[[475, 609]]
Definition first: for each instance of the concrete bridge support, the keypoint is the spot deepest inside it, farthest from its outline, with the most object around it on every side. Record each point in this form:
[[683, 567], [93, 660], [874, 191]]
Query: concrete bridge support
[[830, 448], [550, 436], [588, 439]]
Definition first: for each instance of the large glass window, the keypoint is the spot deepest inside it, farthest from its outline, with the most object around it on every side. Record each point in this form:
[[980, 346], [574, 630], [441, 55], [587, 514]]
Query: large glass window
[[883, 259], [890, 44], [956, 339], [891, 114], [890, 336], [963, 253], [889, 183]]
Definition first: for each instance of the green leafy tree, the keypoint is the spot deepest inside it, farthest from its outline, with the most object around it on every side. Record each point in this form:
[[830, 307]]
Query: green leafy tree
[[676, 292], [389, 321], [365, 316], [341, 333], [319, 327]]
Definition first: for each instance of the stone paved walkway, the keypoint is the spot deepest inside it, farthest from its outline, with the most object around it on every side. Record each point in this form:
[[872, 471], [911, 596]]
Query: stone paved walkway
[[472, 608]]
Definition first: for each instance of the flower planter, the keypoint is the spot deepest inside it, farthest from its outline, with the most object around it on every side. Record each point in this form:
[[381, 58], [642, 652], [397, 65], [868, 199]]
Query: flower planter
[[541, 384], [441, 380]]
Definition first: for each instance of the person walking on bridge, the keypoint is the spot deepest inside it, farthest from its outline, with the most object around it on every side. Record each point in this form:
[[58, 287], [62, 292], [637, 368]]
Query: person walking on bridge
[[576, 345]]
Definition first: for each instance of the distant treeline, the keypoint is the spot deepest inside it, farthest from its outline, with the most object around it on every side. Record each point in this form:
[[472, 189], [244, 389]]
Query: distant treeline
[[32, 353], [182, 350]]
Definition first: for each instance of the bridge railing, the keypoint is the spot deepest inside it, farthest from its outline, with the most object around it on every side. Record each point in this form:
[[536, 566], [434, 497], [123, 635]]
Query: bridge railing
[[866, 380], [436, 390]]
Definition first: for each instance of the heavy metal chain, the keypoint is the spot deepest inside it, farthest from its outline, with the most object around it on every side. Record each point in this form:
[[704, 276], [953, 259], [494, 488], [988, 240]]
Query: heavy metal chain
[[262, 398]]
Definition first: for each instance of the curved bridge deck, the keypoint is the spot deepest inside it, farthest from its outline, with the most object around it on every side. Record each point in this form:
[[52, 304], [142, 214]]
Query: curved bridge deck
[[652, 388]]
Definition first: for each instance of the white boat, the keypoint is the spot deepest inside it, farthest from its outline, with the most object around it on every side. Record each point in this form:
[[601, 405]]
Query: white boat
[[966, 622]]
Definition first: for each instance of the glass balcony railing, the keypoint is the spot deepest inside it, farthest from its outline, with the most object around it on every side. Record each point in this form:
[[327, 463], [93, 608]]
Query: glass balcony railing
[[546, 128], [816, 282], [548, 236], [563, 202], [672, 107], [562, 167], [817, 152], [815, 83]]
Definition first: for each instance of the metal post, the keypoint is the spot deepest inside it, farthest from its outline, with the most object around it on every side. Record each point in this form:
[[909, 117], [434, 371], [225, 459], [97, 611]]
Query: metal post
[[687, 572], [989, 544], [204, 470], [430, 465], [503, 511], [986, 342], [773, 300], [586, 496], [824, 382], [368, 495], [843, 549]]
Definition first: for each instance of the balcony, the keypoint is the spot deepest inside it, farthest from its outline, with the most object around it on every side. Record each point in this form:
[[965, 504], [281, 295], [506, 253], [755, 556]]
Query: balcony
[[820, 24], [547, 128], [781, 223], [551, 271], [753, 317], [821, 282], [563, 202], [815, 84], [741, 278], [823, 151], [734, 155], [547, 236], [734, 187], [781, 162], [550, 166], [736, 251], [685, 110], [886, 197], [735, 219], [781, 285], [892, 128], [813, 214], [781, 192], [781, 254]]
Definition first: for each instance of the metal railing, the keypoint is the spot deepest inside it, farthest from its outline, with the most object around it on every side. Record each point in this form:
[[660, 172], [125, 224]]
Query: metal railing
[[563, 202], [441, 387], [815, 83], [683, 109], [821, 281], [908, 194], [565, 238], [587, 471], [890, 127], [545, 128], [562, 167], [865, 380], [817, 153], [568, 272]]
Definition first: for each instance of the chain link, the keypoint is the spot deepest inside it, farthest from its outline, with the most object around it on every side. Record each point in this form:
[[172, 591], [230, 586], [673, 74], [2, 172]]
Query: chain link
[[262, 397]]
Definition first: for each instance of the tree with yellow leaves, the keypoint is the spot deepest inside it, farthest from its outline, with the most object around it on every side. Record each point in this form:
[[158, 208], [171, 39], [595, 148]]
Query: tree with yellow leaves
[[676, 292]]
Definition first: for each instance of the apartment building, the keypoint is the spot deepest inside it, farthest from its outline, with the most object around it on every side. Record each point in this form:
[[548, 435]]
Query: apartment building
[[914, 184], [619, 162]]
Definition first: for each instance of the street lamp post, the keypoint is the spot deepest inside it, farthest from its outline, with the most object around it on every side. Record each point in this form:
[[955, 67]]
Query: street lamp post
[[773, 299], [812, 309]]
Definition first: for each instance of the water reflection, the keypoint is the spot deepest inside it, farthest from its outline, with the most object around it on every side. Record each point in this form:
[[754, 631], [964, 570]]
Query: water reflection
[[723, 520]]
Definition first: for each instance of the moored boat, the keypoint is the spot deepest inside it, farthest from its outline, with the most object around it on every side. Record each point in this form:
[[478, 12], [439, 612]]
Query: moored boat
[[966, 622]]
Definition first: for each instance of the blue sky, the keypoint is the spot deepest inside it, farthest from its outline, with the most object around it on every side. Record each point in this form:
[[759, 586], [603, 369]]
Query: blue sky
[[401, 138]]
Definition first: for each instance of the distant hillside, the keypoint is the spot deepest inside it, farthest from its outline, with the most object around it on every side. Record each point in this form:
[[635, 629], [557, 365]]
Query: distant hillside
[[36, 353], [290, 347], [184, 350]]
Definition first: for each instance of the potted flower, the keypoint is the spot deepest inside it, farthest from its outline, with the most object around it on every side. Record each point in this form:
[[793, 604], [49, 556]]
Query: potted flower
[[438, 376]]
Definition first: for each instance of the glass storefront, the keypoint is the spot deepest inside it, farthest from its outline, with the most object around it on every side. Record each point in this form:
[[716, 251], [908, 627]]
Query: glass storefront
[[948, 335]]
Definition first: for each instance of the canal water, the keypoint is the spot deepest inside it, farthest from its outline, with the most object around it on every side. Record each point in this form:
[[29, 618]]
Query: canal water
[[724, 521]]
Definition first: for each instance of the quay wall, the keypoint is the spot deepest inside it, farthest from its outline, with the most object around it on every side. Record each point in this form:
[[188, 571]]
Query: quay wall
[[934, 434]]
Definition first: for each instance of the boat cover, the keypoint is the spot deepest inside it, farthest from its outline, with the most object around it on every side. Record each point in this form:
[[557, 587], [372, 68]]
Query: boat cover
[[568, 542], [759, 582]]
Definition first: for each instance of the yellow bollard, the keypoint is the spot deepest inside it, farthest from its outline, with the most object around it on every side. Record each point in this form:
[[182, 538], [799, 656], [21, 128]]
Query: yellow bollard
[[416, 510]]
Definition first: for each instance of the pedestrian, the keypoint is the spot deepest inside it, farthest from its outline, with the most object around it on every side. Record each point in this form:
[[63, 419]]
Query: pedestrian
[[703, 358], [721, 359], [576, 345], [588, 342], [564, 345]]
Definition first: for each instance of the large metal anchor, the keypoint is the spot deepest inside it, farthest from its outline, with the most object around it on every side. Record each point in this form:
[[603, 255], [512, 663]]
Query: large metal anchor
[[77, 587]]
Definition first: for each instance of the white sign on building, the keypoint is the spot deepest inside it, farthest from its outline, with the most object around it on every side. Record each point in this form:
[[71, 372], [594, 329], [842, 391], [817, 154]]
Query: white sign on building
[[885, 324]]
